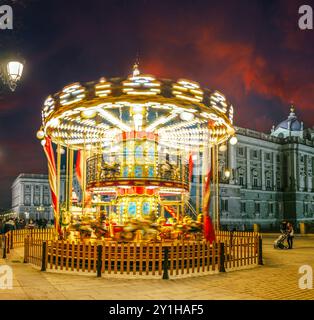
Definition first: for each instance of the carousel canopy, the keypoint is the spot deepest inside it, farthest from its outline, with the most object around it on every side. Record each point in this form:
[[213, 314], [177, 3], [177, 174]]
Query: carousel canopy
[[180, 112]]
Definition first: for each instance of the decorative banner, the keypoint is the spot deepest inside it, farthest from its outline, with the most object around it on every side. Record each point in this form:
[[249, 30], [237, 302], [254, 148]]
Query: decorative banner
[[53, 182], [190, 167], [209, 231], [79, 169], [171, 211]]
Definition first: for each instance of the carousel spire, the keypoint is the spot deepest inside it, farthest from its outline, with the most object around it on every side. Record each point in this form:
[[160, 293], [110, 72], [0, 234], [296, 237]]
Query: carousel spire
[[136, 70]]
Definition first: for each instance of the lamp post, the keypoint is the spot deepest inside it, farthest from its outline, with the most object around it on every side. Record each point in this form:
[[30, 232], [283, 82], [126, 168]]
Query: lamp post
[[11, 72]]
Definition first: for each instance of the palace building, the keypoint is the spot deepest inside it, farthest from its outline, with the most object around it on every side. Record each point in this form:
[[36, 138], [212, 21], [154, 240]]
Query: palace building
[[31, 198], [269, 176]]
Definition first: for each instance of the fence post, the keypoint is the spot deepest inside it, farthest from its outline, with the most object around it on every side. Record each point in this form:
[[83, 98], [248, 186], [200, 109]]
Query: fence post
[[260, 250], [99, 260], [26, 249], [222, 257], [4, 247], [11, 240], [7, 240], [166, 265], [44, 255]]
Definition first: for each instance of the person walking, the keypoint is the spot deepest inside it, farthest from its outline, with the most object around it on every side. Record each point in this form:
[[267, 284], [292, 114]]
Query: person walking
[[290, 232]]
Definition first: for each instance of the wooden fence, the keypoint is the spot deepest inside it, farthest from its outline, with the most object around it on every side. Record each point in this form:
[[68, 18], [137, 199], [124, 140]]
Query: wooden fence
[[16, 238], [232, 250], [150, 259]]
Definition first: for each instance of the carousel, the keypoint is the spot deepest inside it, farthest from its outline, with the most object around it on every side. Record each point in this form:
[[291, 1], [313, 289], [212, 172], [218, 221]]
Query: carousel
[[141, 149]]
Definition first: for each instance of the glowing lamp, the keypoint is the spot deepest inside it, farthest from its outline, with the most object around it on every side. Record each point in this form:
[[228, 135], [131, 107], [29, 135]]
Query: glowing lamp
[[233, 140], [227, 173], [14, 70], [43, 142], [40, 134]]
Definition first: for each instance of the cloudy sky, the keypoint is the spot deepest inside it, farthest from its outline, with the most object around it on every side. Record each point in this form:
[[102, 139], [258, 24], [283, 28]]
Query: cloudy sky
[[251, 50]]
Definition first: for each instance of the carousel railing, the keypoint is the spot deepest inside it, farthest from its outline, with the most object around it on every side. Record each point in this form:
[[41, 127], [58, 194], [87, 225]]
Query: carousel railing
[[98, 170]]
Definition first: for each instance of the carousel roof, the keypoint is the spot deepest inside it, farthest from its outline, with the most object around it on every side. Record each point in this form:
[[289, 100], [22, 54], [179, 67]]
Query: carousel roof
[[178, 111]]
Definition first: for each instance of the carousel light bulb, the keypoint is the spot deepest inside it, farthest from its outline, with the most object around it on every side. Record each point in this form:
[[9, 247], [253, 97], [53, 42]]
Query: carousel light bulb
[[62, 151], [233, 140], [186, 116], [43, 142], [88, 114], [223, 148], [40, 134]]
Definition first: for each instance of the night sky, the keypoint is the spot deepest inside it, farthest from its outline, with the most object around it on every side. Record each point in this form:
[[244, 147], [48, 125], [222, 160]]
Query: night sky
[[252, 51]]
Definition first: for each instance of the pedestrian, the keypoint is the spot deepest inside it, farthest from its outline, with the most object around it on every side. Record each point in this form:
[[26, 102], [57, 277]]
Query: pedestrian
[[283, 226], [290, 232]]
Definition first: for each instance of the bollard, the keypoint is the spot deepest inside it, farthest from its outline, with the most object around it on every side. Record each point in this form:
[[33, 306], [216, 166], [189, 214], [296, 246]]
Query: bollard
[[44, 256], [260, 250], [99, 260], [222, 257], [165, 275]]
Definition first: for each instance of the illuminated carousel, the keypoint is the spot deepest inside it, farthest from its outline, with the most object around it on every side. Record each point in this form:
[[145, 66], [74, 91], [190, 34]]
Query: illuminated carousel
[[134, 145]]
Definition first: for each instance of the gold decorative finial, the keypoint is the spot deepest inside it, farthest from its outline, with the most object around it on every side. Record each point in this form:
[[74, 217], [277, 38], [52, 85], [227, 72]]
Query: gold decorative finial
[[292, 108], [136, 70]]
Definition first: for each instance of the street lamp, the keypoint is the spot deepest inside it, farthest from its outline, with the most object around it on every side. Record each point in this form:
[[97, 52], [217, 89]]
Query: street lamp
[[11, 73]]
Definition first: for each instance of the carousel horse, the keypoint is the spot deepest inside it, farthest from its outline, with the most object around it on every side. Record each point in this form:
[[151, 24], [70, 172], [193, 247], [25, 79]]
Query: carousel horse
[[169, 171], [110, 171]]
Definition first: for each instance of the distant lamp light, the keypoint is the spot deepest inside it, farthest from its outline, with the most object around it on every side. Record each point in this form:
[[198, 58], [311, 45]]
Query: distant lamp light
[[234, 140], [186, 116], [14, 73], [88, 147], [194, 157], [223, 148], [227, 173], [40, 134], [88, 114]]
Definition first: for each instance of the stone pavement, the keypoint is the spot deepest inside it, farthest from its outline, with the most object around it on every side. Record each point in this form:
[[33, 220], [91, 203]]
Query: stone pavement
[[277, 279]]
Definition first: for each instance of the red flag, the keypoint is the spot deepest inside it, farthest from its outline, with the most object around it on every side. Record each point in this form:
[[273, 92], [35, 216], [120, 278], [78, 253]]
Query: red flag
[[79, 168], [80, 176], [52, 174], [190, 167], [209, 231], [171, 211]]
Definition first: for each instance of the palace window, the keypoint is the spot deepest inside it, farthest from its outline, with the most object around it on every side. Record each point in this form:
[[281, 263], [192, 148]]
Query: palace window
[[257, 207], [255, 154], [271, 208], [241, 180], [267, 156], [268, 184], [224, 205], [255, 182], [241, 151], [243, 207]]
